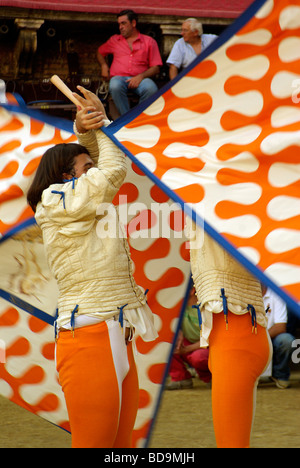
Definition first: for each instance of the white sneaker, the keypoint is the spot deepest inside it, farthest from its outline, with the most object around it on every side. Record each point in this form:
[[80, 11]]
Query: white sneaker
[[282, 384]]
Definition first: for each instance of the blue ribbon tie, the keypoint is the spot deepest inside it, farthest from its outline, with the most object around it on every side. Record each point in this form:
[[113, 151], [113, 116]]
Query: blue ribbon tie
[[73, 318], [71, 180], [55, 324], [251, 309], [225, 306], [121, 315], [62, 196]]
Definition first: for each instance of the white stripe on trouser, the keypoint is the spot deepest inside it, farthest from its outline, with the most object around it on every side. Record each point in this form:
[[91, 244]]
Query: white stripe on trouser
[[119, 353]]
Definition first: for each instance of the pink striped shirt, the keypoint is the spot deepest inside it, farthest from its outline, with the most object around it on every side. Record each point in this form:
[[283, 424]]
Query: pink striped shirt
[[127, 62]]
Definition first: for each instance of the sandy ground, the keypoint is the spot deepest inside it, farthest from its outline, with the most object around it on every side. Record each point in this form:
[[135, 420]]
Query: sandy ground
[[185, 418], [184, 421]]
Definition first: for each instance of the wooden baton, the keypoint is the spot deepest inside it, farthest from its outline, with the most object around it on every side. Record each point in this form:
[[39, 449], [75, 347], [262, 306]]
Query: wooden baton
[[64, 89]]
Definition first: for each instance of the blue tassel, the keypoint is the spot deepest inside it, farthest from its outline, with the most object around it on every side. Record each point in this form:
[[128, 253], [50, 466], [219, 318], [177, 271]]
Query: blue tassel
[[71, 180], [197, 306], [146, 292], [121, 315], [62, 196], [225, 307], [55, 325], [251, 309], [73, 318]]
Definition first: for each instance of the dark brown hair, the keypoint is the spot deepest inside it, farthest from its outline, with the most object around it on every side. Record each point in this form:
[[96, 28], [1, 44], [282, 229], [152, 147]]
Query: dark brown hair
[[55, 162], [131, 15]]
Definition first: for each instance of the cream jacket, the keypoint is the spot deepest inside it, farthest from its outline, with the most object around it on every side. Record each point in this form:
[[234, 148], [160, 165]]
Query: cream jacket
[[214, 270], [93, 272]]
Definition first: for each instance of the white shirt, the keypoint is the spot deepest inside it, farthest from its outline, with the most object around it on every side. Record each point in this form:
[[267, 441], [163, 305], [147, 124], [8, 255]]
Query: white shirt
[[182, 53], [275, 308]]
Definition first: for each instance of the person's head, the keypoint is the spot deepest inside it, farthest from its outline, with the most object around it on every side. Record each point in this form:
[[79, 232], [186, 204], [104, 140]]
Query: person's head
[[127, 21], [191, 29], [60, 163]]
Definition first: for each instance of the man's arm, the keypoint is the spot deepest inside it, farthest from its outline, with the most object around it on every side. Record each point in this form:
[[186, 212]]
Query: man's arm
[[173, 71], [174, 61], [136, 80], [104, 66], [152, 71], [277, 329]]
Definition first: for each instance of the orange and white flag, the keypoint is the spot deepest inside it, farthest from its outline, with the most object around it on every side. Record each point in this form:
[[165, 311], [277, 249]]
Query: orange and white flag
[[222, 140]]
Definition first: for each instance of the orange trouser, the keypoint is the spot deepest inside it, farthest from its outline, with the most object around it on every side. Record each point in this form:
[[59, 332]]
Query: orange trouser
[[98, 376], [237, 357]]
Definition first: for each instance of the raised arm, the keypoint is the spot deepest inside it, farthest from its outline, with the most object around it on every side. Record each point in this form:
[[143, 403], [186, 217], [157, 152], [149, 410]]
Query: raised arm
[[105, 154]]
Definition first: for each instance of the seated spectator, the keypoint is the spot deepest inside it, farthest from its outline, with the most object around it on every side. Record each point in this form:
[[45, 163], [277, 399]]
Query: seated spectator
[[187, 48], [188, 352], [277, 316], [293, 324], [136, 60]]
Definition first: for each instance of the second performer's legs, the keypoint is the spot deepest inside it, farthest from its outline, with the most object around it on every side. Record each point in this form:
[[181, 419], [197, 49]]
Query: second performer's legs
[[237, 359]]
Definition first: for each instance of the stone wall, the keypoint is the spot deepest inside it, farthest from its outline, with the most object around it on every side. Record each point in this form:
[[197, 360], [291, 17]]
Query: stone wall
[[35, 44]]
